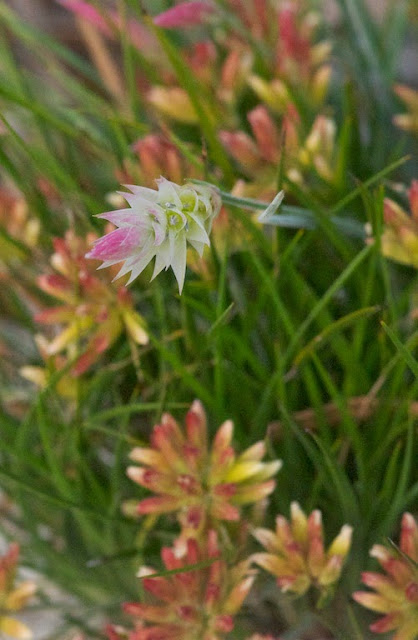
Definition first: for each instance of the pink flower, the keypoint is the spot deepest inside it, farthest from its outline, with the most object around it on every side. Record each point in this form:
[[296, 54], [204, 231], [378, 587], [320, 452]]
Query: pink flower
[[204, 483], [396, 593], [92, 312], [191, 603], [185, 14], [158, 225], [296, 553]]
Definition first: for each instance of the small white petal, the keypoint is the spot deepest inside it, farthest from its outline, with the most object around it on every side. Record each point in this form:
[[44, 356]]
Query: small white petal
[[168, 192], [198, 234], [160, 264], [148, 194], [140, 265], [178, 260]]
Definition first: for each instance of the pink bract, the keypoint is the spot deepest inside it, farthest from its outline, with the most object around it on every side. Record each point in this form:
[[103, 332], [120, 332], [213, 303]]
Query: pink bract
[[185, 14]]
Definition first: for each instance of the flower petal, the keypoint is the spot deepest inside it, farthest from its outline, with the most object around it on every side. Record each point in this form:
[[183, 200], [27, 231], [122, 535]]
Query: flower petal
[[178, 259], [117, 245]]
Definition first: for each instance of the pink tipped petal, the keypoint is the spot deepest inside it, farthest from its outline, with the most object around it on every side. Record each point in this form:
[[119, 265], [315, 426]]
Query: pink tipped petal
[[376, 581], [145, 455], [225, 511], [225, 490], [196, 425], [254, 492], [123, 218], [372, 601], [241, 146], [256, 452], [149, 612], [159, 504], [223, 437], [117, 245], [171, 559], [57, 285], [185, 14], [409, 531], [160, 588], [268, 539], [272, 563]]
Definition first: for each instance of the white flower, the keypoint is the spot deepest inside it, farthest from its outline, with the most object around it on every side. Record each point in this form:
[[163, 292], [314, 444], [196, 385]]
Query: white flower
[[158, 224]]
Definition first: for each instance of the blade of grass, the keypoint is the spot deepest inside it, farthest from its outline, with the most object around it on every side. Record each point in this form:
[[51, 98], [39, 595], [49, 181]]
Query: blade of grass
[[320, 339], [368, 183], [402, 349], [59, 501], [322, 303]]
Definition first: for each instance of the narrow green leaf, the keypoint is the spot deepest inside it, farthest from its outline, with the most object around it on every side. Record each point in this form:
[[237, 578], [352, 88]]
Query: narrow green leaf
[[404, 352], [322, 303], [368, 183], [320, 339]]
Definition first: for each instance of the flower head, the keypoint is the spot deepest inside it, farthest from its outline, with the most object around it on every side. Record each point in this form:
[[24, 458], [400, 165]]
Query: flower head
[[12, 597], [195, 604], [158, 225], [396, 594], [400, 238], [94, 312], [204, 484], [296, 553]]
